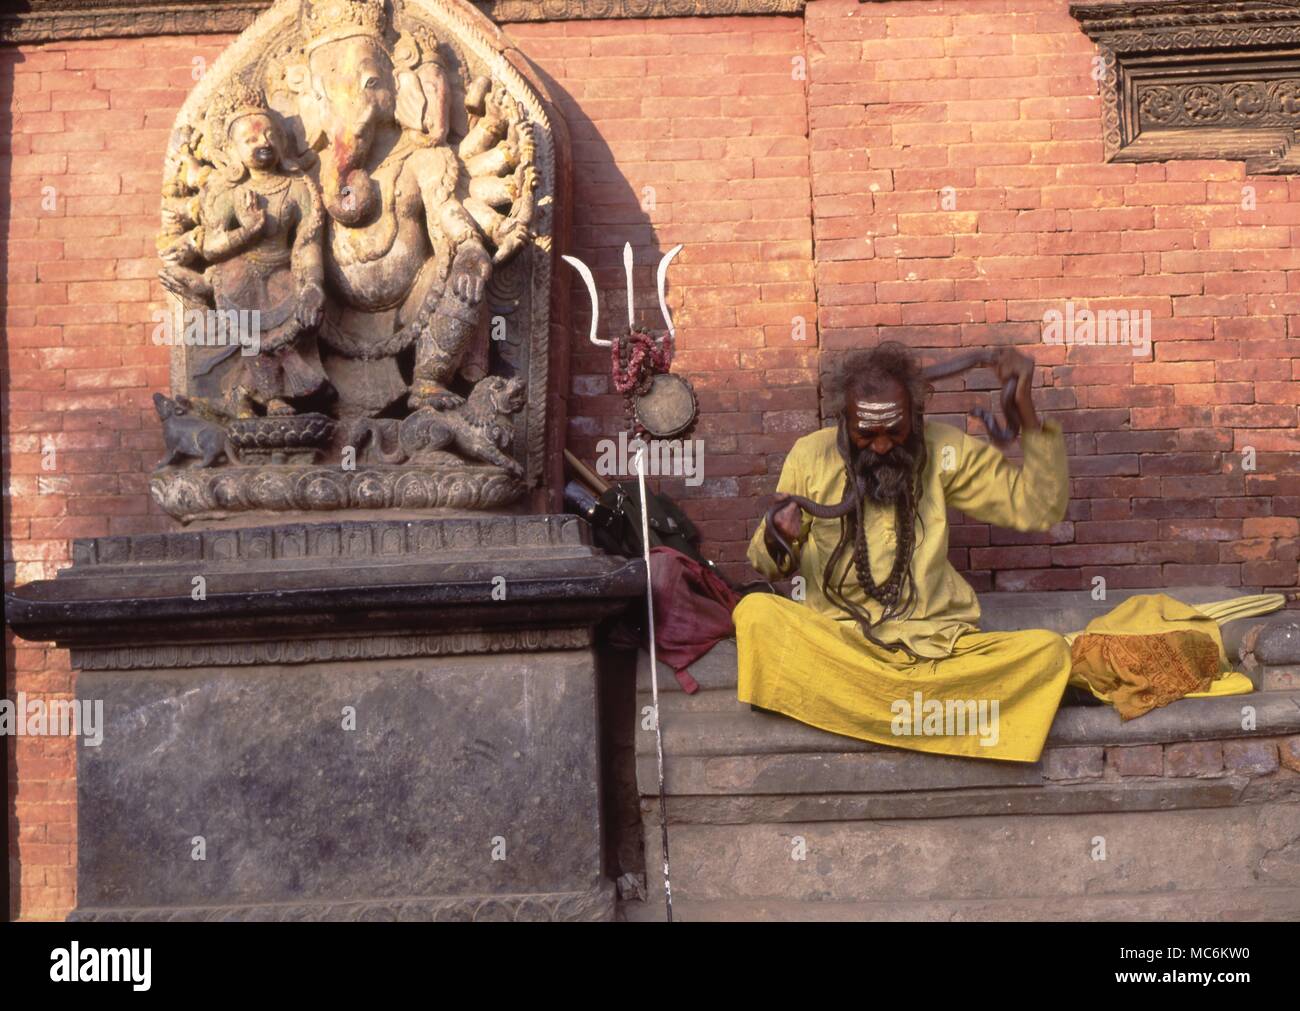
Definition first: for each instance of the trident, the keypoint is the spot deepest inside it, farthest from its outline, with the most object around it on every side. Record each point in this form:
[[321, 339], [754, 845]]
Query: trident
[[585, 273]]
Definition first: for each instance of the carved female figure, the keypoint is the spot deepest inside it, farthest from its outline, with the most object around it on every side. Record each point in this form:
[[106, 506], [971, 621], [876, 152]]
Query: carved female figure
[[260, 233]]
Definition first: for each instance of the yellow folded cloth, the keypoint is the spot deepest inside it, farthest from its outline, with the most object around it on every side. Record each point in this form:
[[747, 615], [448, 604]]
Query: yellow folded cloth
[[1152, 649]]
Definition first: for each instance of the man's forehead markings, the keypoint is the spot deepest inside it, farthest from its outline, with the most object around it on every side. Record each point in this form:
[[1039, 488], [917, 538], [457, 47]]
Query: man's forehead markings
[[888, 405], [872, 413]]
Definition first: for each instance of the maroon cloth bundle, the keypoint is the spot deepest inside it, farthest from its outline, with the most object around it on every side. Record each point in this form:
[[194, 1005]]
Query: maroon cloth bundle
[[692, 611]]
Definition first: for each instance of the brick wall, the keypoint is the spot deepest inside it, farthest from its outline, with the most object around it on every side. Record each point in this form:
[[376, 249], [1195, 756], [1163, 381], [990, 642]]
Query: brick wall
[[803, 162], [695, 132], [960, 194], [83, 137]]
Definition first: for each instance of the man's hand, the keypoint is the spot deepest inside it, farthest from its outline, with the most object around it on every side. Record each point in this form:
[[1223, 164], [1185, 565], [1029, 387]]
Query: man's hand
[[788, 520], [1011, 363]]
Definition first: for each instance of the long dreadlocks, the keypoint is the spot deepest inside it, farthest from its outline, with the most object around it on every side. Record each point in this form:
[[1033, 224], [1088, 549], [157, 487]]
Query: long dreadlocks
[[868, 372]]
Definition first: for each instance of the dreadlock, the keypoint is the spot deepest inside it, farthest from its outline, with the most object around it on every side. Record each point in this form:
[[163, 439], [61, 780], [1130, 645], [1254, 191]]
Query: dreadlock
[[866, 371]]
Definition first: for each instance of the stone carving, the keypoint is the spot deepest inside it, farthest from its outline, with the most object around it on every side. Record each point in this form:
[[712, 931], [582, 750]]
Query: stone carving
[[98, 19], [350, 540], [345, 182], [255, 229], [297, 439], [1198, 79], [187, 436], [480, 429]]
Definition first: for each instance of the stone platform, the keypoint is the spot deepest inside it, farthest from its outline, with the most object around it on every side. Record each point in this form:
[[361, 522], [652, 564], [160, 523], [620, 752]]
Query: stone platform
[[339, 720], [1182, 813]]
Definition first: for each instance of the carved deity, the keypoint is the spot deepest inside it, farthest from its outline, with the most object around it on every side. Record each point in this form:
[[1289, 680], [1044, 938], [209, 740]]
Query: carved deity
[[258, 235], [369, 176], [412, 221]]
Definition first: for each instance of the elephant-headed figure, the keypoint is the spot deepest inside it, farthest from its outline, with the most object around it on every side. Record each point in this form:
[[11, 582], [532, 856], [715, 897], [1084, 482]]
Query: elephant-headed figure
[[410, 244]]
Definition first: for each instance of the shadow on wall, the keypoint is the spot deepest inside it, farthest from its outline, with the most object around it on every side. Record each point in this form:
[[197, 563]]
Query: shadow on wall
[[606, 213], [9, 890]]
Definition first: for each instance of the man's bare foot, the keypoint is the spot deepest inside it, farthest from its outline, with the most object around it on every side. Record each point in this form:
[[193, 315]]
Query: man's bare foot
[[278, 408]]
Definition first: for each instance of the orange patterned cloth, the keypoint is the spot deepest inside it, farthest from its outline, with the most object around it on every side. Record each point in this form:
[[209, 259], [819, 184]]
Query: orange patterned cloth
[[1142, 672]]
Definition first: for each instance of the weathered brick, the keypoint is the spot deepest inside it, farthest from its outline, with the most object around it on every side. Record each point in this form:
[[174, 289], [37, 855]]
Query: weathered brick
[[1194, 758], [1073, 763], [1141, 760], [1255, 758]]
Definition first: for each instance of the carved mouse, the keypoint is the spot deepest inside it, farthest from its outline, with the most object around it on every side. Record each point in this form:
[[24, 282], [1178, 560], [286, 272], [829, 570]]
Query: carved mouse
[[187, 436]]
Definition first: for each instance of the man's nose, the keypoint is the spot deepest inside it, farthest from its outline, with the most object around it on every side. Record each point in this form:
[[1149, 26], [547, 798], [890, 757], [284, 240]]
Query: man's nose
[[881, 445]]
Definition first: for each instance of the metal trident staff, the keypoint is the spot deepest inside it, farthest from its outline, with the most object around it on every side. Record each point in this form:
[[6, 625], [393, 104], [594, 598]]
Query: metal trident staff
[[654, 678], [661, 275]]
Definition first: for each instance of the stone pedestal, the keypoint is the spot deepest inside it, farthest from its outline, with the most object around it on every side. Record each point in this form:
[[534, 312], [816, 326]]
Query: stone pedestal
[[344, 720]]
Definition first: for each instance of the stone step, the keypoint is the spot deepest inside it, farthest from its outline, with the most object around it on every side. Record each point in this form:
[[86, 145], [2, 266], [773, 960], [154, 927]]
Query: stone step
[[717, 723], [1050, 798], [1257, 904], [1199, 864]]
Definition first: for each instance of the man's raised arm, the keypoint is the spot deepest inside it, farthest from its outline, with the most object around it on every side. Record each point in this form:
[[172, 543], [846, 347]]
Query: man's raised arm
[[986, 486]]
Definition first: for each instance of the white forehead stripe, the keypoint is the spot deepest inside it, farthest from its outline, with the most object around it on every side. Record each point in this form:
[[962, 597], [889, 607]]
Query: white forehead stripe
[[871, 414]]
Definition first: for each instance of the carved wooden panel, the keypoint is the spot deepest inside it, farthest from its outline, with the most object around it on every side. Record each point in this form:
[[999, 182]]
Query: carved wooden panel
[[1199, 79]]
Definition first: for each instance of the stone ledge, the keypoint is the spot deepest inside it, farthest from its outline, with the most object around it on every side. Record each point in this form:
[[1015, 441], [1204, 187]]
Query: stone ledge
[[594, 905], [737, 728], [302, 580], [974, 802], [1268, 904]]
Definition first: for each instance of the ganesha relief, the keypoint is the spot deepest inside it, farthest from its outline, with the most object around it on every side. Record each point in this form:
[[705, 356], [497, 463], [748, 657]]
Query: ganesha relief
[[373, 180]]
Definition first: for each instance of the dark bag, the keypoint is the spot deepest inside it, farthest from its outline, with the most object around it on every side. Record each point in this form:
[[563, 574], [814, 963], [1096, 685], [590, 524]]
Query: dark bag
[[669, 526]]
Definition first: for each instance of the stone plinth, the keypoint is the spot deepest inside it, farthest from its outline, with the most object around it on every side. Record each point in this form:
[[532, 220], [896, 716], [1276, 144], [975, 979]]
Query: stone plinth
[[352, 720]]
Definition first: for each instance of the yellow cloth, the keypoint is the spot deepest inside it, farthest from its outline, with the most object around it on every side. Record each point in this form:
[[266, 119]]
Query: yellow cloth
[[1003, 687], [962, 473], [811, 661], [1158, 613], [1139, 673]]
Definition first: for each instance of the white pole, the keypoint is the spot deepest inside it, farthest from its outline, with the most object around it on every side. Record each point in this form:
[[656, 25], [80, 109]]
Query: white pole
[[627, 269], [654, 677]]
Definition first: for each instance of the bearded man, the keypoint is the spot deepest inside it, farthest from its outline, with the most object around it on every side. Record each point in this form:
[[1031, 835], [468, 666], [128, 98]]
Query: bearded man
[[886, 647]]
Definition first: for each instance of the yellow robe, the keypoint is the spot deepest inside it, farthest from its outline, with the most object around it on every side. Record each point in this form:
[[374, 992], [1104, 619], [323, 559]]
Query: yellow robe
[[977, 694], [810, 661]]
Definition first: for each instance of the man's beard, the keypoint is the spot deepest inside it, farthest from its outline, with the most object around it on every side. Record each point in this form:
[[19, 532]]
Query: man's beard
[[885, 478]]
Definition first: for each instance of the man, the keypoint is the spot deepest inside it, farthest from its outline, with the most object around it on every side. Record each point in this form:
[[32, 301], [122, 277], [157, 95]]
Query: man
[[886, 646]]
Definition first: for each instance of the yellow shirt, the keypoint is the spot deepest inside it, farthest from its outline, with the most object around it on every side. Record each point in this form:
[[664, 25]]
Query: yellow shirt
[[961, 472]]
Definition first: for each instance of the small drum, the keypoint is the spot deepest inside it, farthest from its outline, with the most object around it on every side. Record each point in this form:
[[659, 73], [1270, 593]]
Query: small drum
[[669, 408]]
